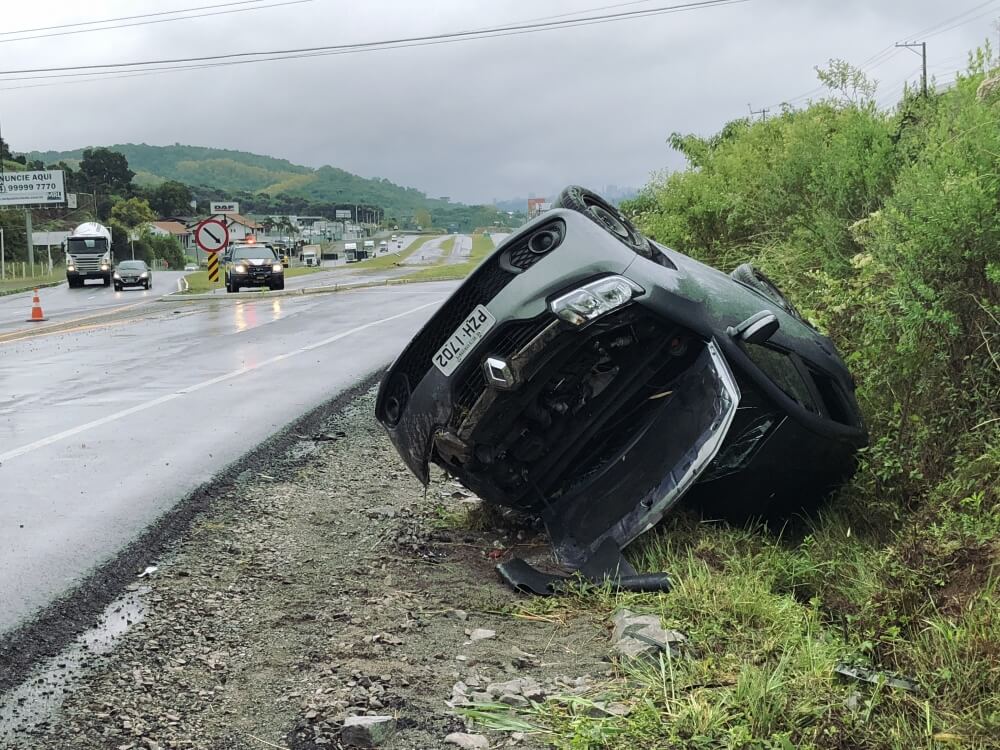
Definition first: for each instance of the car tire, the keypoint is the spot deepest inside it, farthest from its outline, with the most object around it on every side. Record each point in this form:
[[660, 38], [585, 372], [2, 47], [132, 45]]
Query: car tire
[[148, 285], [107, 282], [756, 279], [609, 218], [118, 288], [232, 289], [278, 285]]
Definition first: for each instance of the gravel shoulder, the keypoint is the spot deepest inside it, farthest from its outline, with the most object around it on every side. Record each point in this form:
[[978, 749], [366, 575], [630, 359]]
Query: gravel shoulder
[[327, 584]]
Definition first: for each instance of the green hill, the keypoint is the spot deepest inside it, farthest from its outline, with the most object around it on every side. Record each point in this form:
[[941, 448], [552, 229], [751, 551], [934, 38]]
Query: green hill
[[230, 173]]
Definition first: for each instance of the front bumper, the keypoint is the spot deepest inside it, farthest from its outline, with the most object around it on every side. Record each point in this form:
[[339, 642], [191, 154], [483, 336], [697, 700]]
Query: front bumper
[[256, 279]]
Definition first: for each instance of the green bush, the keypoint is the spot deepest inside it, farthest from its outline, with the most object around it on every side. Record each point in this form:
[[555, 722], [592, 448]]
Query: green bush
[[885, 228]]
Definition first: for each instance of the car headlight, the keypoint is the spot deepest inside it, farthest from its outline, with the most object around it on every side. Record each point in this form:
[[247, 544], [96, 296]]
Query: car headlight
[[70, 268], [104, 267], [240, 268], [594, 299], [117, 275], [144, 275], [277, 267]]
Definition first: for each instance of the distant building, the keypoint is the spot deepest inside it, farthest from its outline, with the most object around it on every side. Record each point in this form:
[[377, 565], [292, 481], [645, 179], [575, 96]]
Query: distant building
[[537, 206], [173, 229], [240, 227]]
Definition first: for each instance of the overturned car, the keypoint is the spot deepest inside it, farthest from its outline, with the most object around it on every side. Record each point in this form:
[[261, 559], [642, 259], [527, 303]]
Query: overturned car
[[594, 377]]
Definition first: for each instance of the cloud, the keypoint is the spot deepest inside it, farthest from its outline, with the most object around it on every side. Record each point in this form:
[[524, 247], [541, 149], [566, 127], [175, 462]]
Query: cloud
[[475, 120]]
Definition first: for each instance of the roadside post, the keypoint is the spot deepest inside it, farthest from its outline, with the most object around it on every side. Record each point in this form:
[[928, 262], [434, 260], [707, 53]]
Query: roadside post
[[212, 236]]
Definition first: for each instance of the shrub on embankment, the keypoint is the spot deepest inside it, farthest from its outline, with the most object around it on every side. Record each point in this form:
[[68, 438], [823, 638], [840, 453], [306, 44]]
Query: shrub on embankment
[[884, 227]]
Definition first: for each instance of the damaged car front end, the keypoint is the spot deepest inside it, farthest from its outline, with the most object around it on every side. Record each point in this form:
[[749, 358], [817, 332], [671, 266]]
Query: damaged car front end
[[593, 377]]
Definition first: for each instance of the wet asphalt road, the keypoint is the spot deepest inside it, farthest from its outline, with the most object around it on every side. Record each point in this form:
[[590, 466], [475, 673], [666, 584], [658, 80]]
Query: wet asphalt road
[[62, 304], [104, 429]]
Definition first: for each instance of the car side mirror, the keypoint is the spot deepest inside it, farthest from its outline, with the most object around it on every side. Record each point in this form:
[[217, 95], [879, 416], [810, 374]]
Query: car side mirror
[[757, 328]]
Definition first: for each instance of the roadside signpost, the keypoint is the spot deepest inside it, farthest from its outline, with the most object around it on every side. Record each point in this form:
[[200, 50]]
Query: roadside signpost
[[212, 236], [223, 207], [27, 189]]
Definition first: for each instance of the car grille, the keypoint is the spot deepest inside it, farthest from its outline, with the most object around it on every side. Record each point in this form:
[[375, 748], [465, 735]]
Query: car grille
[[484, 284], [509, 340], [87, 263]]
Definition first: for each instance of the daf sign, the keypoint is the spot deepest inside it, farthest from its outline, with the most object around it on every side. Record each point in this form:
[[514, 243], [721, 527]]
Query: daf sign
[[219, 207]]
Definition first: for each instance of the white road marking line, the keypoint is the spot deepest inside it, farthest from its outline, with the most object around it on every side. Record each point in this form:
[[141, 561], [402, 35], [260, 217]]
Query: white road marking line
[[46, 441]]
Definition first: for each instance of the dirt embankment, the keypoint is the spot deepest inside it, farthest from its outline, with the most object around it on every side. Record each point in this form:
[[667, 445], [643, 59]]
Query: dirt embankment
[[331, 586]]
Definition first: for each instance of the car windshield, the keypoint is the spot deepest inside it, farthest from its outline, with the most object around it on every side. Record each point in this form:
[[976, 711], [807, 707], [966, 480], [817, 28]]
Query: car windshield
[[132, 265], [86, 245], [254, 252]]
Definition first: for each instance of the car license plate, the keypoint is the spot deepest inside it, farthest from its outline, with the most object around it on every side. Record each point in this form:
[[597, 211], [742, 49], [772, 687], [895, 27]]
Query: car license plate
[[458, 346]]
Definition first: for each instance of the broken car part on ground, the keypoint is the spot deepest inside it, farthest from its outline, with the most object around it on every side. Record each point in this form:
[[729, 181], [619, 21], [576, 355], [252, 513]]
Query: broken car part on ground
[[594, 377]]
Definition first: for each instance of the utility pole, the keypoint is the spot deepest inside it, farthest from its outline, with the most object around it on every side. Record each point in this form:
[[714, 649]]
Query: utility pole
[[29, 231], [923, 54], [762, 112]]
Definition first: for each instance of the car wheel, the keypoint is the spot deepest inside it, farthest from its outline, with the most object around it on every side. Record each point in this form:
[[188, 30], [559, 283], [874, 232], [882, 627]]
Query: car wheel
[[231, 289], [595, 208], [148, 285], [117, 288], [107, 282], [278, 285], [756, 279]]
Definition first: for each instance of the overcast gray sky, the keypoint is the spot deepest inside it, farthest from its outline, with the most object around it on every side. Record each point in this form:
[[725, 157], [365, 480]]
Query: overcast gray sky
[[477, 120]]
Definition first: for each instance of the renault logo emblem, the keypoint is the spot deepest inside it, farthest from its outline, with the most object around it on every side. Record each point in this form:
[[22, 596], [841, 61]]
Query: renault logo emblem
[[498, 373]]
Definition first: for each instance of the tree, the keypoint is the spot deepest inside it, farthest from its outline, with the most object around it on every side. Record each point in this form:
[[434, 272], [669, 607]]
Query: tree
[[5, 150], [167, 249], [423, 217], [134, 214], [172, 198], [105, 171], [850, 83]]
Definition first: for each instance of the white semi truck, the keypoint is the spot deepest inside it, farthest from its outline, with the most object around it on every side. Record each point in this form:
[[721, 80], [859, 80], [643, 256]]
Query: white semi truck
[[88, 254]]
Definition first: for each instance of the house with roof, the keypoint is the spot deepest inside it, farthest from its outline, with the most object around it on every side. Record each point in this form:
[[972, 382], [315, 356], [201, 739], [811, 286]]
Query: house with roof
[[240, 227], [169, 228]]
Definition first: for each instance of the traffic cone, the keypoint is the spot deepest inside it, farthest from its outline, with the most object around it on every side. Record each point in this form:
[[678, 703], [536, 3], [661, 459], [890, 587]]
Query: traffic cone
[[36, 310]]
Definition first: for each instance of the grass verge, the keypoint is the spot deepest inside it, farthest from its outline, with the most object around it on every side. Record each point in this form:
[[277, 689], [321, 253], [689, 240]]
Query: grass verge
[[15, 286], [769, 616], [391, 260], [481, 247]]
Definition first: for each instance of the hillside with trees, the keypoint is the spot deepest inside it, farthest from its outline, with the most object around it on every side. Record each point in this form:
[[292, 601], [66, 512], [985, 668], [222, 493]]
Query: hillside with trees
[[264, 184]]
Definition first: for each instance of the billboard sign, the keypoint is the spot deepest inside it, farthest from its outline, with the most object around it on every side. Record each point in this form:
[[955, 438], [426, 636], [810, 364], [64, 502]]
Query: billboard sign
[[32, 188], [224, 207], [342, 214]]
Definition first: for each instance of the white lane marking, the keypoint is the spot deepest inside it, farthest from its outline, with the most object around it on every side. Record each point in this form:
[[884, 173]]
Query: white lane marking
[[43, 442]]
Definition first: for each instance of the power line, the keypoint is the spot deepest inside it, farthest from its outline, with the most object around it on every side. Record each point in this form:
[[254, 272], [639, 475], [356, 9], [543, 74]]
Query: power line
[[128, 18], [886, 53], [397, 43], [92, 76], [933, 29], [155, 21]]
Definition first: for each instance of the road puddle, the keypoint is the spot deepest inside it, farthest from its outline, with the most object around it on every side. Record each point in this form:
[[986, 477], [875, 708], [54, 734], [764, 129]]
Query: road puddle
[[34, 704]]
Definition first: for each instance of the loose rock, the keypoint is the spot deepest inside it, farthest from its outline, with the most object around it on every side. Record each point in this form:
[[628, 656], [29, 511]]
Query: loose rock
[[367, 731], [467, 741]]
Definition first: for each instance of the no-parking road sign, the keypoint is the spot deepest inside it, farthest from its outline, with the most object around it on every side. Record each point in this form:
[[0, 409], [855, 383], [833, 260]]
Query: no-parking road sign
[[211, 235]]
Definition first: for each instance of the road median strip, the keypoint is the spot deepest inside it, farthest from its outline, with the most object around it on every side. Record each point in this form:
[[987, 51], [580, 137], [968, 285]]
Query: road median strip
[[325, 289], [30, 288]]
